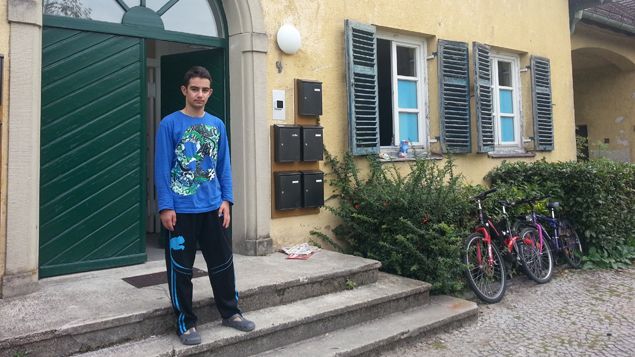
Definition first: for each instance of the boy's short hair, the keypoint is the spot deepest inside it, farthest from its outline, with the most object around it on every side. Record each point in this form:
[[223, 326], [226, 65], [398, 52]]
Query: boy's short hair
[[196, 72]]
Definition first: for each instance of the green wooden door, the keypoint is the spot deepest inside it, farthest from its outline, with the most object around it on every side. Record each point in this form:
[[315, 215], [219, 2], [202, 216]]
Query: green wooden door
[[92, 184]]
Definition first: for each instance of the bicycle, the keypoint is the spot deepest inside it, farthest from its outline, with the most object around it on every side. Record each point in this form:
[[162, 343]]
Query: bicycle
[[561, 236], [485, 269]]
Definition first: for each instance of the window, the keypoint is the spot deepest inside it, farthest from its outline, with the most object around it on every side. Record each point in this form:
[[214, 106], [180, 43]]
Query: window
[[498, 101], [507, 103], [197, 17], [401, 90], [387, 98], [386, 89]]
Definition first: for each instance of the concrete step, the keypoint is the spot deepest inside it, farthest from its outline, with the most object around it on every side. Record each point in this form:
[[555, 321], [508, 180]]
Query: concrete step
[[381, 334], [290, 323], [88, 311]]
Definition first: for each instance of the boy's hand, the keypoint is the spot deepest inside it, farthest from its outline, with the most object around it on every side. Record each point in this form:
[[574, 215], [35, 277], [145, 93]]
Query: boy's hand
[[223, 211], [168, 219]]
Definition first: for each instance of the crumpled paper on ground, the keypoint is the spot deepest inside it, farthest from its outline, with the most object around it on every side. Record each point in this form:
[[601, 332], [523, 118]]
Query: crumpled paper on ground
[[301, 251]]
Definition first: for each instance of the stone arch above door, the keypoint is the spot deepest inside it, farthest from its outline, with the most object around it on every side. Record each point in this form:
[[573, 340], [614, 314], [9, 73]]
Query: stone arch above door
[[596, 56]]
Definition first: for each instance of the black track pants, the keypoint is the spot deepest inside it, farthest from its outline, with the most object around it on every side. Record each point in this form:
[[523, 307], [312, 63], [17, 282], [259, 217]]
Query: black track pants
[[180, 251]]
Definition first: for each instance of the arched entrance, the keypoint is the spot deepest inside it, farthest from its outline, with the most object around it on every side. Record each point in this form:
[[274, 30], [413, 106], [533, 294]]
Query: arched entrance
[[110, 71], [604, 108], [247, 47]]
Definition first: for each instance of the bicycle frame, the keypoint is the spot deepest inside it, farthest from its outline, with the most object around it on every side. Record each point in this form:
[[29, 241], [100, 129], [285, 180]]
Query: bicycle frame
[[553, 223], [486, 226]]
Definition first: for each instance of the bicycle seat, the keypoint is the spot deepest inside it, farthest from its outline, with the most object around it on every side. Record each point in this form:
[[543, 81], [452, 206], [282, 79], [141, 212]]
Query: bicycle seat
[[506, 203], [553, 204]]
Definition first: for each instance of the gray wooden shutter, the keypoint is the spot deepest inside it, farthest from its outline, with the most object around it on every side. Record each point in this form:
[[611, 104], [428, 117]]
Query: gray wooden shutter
[[361, 76], [541, 103], [454, 95], [484, 100]]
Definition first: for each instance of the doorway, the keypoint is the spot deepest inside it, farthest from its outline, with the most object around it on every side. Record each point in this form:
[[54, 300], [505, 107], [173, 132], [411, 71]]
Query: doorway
[[167, 62], [110, 71]]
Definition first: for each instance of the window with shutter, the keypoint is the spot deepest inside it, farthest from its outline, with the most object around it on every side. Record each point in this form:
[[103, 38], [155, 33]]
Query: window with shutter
[[541, 104], [484, 100], [505, 70], [454, 95], [361, 73], [402, 95]]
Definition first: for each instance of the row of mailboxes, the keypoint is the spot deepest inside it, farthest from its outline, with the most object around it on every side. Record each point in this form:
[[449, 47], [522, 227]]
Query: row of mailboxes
[[298, 143], [299, 189]]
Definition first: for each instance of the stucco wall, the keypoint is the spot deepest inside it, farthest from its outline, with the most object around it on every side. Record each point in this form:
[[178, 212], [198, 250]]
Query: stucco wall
[[537, 27], [605, 93], [4, 112], [605, 103]]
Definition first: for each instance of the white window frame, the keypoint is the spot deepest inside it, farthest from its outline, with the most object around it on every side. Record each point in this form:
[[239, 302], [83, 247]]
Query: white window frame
[[516, 98], [420, 46]]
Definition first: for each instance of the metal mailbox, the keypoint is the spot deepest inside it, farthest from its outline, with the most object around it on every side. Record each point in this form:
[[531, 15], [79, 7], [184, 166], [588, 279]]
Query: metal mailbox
[[288, 190], [287, 141], [312, 143], [312, 189], [309, 98]]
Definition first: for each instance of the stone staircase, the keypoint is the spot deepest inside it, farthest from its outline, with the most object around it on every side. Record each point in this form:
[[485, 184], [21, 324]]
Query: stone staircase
[[317, 308]]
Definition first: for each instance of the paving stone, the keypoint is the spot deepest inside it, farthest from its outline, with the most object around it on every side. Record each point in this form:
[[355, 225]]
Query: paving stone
[[579, 313]]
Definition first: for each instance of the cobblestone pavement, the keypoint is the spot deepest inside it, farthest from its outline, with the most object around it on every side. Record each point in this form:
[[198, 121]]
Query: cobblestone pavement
[[578, 313]]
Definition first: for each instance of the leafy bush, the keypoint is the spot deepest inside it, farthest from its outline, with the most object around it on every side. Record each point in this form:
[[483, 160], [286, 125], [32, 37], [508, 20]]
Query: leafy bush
[[413, 223], [598, 196]]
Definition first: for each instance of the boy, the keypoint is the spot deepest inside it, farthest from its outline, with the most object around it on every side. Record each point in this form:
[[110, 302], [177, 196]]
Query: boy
[[194, 188]]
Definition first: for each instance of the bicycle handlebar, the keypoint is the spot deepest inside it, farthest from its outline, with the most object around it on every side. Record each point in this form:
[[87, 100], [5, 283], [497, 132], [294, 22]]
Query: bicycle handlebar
[[531, 200], [482, 195]]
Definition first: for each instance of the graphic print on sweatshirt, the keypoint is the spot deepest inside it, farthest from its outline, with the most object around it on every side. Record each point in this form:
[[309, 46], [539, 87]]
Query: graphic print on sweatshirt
[[196, 156]]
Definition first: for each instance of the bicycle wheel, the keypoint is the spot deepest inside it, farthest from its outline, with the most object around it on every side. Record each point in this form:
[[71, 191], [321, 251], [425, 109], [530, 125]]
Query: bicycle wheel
[[536, 259], [485, 274], [572, 248]]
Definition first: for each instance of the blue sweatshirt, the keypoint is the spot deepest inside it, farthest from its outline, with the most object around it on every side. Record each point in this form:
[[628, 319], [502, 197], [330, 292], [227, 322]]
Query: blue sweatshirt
[[192, 172]]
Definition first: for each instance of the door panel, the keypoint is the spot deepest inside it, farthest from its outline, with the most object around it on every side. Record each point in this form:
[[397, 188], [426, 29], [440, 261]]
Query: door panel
[[92, 176]]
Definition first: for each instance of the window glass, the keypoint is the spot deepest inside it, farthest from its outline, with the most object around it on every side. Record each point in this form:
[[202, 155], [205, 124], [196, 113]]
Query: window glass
[[406, 61], [507, 129], [156, 5], [99, 10], [504, 73], [191, 16], [132, 3], [407, 92], [506, 100], [408, 127]]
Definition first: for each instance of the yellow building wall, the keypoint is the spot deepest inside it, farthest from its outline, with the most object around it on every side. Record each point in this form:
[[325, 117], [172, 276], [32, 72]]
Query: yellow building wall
[[605, 103], [4, 114], [538, 27], [605, 95]]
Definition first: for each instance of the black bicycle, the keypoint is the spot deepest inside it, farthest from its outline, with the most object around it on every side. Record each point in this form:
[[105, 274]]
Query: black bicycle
[[559, 233]]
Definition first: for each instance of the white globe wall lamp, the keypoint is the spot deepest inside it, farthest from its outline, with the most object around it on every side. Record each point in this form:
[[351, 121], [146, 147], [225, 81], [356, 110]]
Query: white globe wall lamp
[[288, 39]]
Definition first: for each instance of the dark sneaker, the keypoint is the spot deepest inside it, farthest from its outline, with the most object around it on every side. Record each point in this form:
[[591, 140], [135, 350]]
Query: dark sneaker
[[190, 337], [239, 323]]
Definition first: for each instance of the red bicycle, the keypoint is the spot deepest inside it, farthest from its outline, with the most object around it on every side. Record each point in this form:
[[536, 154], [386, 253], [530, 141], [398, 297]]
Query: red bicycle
[[485, 268]]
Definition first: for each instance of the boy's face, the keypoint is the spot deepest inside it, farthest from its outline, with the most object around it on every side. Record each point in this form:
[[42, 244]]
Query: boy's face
[[197, 92]]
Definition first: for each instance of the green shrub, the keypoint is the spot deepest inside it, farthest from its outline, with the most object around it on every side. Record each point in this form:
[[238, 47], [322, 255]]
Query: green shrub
[[598, 196], [413, 223]]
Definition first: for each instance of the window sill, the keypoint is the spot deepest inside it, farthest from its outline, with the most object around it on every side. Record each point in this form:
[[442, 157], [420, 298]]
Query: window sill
[[509, 154], [385, 157]]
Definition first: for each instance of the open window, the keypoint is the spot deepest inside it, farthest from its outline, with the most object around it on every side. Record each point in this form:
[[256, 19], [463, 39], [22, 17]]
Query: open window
[[386, 76]]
